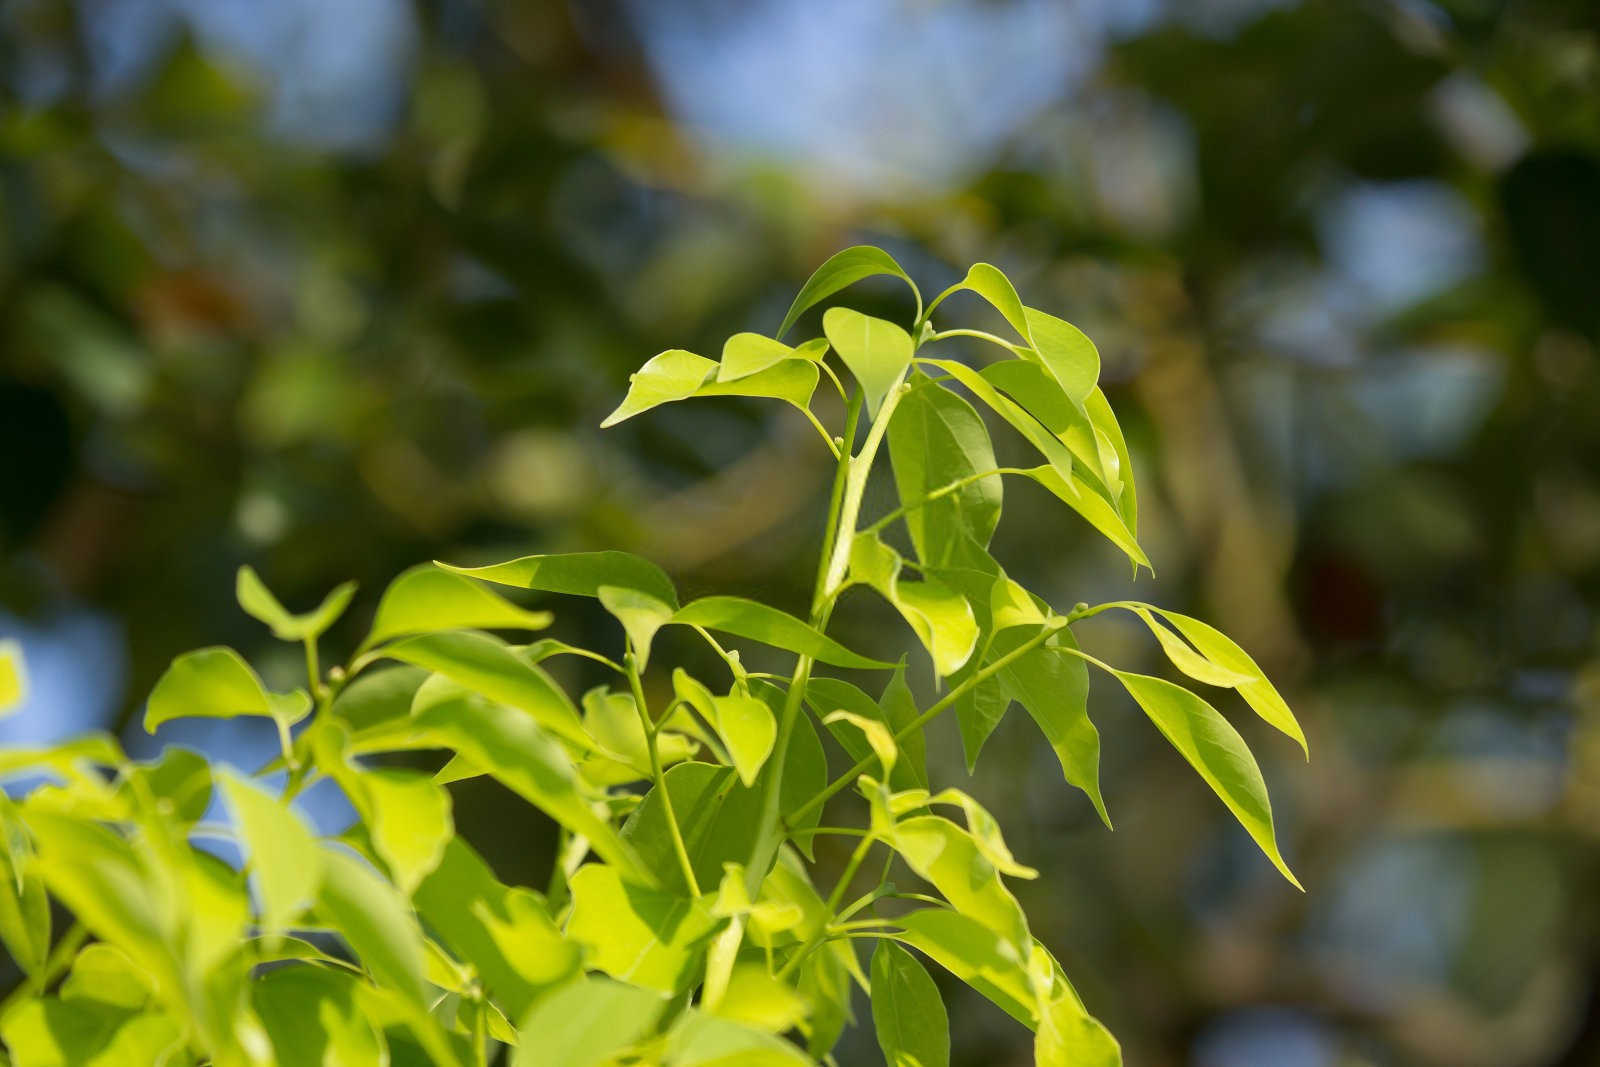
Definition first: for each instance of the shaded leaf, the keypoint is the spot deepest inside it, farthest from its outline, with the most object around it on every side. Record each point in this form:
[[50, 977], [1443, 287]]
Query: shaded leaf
[[1020, 420], [937, 439], [312, 1016], [49, 1032], [829, 695], [907, 1011], [636, 934]]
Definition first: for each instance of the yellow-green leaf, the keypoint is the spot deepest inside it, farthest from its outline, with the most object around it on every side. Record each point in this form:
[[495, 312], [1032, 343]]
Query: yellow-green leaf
[[841, 269], [281, 850], [216, 683], [427, 599], [876, 351]]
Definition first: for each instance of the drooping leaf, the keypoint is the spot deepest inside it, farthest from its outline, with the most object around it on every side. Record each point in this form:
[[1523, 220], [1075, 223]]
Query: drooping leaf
[[282, 852], [841, 269], [759, 622], [313, 1019], [1216, 751], [587, 1024], [578, 574], [1066, 352], [907, 1011], [940, 617], [24, 904], [876, 351], [1105, 423], [947, 856], [989, 282], [644, 936], [1068, 1036], [217, 683], [427, 599], [1037, 393], [13, 677], [376, 922], [1082, 498], [1186, 659], [486, 666], [977, 954], [745, 724], [1020, 420], [259, 603], [790, 380], [503, 932], [1219, 649], [1053, 686], [936, 439]]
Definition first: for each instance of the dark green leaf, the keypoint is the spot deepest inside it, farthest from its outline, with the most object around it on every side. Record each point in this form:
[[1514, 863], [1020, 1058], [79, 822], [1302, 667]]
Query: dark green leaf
[[907, 1012]]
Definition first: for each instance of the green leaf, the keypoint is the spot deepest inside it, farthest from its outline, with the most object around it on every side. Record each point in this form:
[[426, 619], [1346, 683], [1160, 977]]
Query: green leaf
[[976, 954], [578, 574], [907, 1011], [375, 921], [1220, 650], [829, 695], [937, 439], [635, 934], [1031, 428], [990, 283], [745, 354], [1031, 386], [1105, 423], [49, 1032], [940, 617], [758, 622], [13, 677], [24, 904], [407, 814], [378, 696], [876, 351], [514, 748], [702, 1040], [947, 856], [841, 269], [216, 683], [312, 1016], [1067, 353], [641, 616], [745, 724], [792, 380], [105, 973], [755, 997], [282, 851], [1053, 686], [503, 932], [427, 599], [1186, 659], [672, 375], [259, 603], [1068, 1036], [179, 783], [1216, 751], [485, 665], [586, 1024]]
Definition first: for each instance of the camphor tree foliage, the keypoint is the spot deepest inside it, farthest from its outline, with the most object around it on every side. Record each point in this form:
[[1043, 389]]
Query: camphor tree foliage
[[683, 923]]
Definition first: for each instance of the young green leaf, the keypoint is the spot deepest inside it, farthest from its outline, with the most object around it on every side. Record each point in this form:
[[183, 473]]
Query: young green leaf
[[1029, 427], [587, 1023], [756, 998], [1186, 659], [745, 354], [578, 574], [1032, 387], [1221, 651], [105, 973], [1066, 352], [790, 380], [280, 848], [1106, 425], [1082, 498], [635, 934], [217, 683], [641, 616], [907, 1011], [673, 375], [944, 854], [829, 695], [259, 603], [977, 954], [313, 1018], [699, 1039], [375, 921], [745, 725], [877, 352], [1216, 751], [428, 599], [1068, 1036], [13, 677], [841, 269], [936, 439], [1053, 686], [940, 617], [759, 622]]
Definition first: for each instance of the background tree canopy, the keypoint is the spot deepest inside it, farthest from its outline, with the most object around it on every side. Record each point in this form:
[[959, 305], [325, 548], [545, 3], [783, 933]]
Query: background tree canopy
[[332, 286]]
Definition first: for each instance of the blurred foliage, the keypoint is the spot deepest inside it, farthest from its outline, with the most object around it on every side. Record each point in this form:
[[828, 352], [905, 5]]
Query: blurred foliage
[[1342, 260]]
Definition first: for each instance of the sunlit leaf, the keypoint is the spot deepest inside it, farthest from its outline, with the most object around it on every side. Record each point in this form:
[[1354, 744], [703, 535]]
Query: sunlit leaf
[[936, 439], [907, 1011], [1187, 660], [940, 617], [258, 602], [104, 972], [1031, 428], [745, 354], [24, 904], [1219, 649], [586, 1024], [1083, 499], [284, 858], [49, 1032], [673, 375], [745, 724], [977, 954], [756, 998], [876, 351], [841, 269], [639, 935], [312, 1016], [1105, 423], [699, 1039], [427, 599], [759, 622], [578, 574], [1066, 352], [1216, 751], [1068, 1036], [217, 683], [944, 854], [641, 616], [375, 920], [790, 380]]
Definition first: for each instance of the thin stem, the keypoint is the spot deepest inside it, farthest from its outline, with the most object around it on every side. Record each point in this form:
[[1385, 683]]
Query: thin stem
[[855, 486], [928, 716], [730, 658], [656, 776], [480, 1032], [943, 491], [981, 335], [832, 904], [837, 384], [286, 743], [841, 476], [313, 668], [827, 438]]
